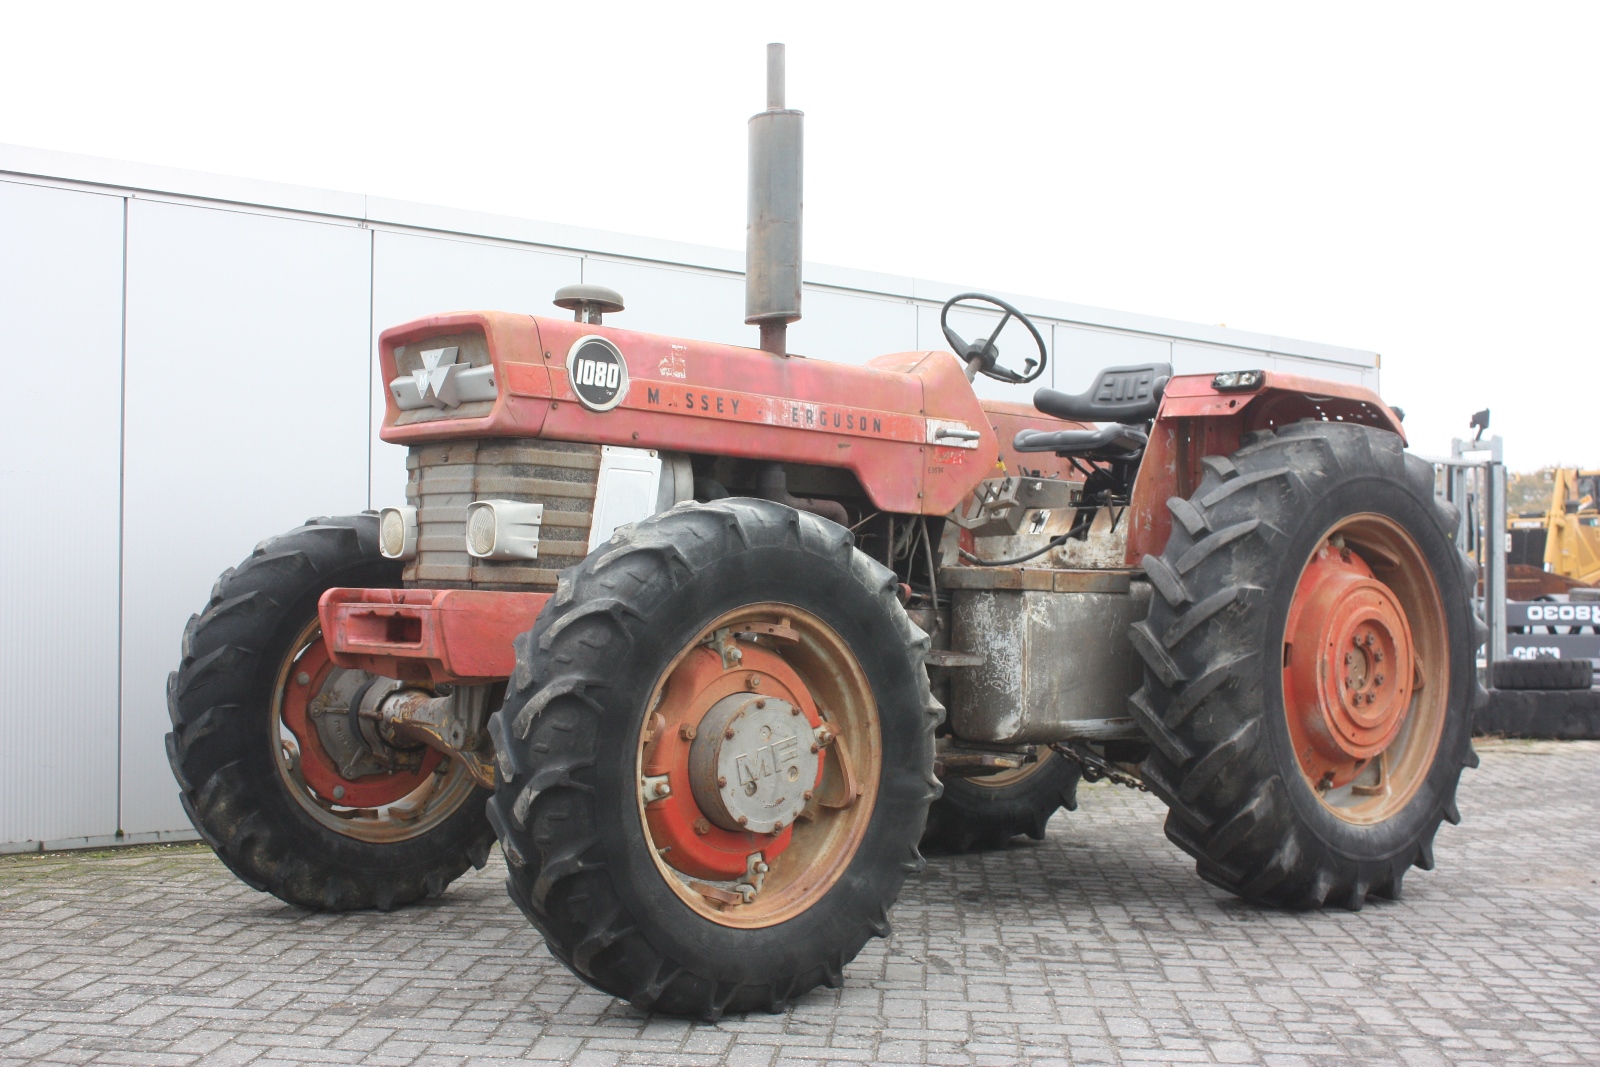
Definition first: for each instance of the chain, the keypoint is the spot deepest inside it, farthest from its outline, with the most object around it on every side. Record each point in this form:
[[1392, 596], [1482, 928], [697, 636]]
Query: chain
[[1095, 768]]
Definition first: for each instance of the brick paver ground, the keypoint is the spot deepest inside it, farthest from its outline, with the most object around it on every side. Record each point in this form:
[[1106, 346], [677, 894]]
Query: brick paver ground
[[1097, 946]]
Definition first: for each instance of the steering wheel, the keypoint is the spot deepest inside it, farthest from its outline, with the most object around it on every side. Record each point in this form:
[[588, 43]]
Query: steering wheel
[[982, 356]]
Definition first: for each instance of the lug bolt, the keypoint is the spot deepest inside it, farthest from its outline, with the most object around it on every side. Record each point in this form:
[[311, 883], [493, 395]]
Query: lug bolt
[[686, 731], [303, 678], [728, 733], [816, 747], [753, 681], [1377, 680], [338, 792], [701, 826], [1377, 656], [743, 820], [761, 703], [1355, 639], [722, 782], [1349, 658], [807, 794]]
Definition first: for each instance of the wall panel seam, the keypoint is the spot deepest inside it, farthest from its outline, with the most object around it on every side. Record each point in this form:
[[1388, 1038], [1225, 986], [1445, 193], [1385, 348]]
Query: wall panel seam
[[122, 497]]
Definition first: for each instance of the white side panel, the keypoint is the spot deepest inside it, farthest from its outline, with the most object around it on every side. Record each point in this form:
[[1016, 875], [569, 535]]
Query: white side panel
[[1210, 359], [1333, 372], [61, 336], [853, 328], [247, 387], [416, 276], [627, 489], [1084, 353], [677, 303]]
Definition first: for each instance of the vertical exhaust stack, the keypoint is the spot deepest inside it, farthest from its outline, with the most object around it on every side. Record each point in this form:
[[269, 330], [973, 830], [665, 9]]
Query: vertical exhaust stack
[[772, 236]]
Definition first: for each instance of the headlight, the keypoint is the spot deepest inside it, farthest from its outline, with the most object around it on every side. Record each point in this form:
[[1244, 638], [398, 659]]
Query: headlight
[[1233, 380], [503, 529], [397, 533]]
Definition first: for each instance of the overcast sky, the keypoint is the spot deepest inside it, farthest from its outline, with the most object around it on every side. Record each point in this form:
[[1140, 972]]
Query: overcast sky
[[1415, 179]]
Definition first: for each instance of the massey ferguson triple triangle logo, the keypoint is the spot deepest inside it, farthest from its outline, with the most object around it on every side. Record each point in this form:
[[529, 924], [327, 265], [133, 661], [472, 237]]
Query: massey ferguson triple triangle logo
[[598, 373]]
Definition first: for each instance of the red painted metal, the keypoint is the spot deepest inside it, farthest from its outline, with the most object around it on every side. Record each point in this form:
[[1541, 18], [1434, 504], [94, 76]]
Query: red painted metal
[[317, 768], [1006, 418], [1198, 420], [696, 396], [1349, 664], [692, 843], [427, 635]]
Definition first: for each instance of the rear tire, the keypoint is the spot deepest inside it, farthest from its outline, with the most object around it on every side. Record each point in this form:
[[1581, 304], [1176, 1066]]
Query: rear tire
[[584, 860], [225, 745], [984, 813], [1218, 667]]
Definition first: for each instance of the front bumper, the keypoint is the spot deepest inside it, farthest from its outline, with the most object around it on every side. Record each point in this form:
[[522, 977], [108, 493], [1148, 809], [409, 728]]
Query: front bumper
[[458, 636]]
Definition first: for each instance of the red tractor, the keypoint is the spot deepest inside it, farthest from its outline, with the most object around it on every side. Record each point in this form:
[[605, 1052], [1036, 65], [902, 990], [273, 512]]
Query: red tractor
[[714, 639]]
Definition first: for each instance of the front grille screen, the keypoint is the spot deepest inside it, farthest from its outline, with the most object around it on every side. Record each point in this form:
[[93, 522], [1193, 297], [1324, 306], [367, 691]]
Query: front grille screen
[[444, 478]]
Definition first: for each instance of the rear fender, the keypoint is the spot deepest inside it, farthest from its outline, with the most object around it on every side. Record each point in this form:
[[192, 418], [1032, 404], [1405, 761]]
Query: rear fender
[[1198, 420]]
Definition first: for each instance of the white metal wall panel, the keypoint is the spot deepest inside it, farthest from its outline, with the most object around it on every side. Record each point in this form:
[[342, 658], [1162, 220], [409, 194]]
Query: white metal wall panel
[[61, 335], [679, 303], [251, 403], [852, 327], [413, 276], [1335, 372], [247, 401], [1085, 352]]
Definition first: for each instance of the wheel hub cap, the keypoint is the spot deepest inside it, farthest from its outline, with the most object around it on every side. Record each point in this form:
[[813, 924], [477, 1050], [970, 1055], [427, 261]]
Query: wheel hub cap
[[315, 690], [1348, 666], [736, 745], [753, 763]]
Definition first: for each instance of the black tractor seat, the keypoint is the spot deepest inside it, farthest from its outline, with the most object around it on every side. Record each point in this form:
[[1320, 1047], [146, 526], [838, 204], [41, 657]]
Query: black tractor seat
[[1119, 394], [1108, 442]]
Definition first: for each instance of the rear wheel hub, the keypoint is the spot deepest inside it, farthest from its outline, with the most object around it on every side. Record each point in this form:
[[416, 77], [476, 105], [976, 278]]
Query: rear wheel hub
[[1363, 659], [1349, 665]]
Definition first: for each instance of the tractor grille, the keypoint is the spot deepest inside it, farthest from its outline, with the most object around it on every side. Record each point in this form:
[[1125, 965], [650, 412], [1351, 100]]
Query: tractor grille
[[442, 479]]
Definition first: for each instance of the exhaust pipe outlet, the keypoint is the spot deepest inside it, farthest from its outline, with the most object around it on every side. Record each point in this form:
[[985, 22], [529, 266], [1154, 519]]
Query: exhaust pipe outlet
[[773, 484], [772, 234]]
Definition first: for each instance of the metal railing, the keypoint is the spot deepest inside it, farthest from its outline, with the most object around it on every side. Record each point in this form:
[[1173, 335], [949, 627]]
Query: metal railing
[[1474, 480]]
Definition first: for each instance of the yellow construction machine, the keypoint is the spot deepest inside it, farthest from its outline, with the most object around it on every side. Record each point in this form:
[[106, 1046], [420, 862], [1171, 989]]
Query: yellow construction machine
[[1565, 538]]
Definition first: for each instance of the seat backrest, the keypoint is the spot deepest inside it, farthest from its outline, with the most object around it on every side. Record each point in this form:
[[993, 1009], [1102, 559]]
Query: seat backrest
[[1119, 394]]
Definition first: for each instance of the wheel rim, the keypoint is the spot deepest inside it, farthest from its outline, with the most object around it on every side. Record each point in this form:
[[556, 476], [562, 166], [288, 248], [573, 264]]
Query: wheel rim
[[420, 792], [807, 680], [1365, 669], [1013, 777]]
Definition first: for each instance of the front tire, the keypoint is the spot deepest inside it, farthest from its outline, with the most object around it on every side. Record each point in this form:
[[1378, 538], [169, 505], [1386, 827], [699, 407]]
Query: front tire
[[265, 797], [647, 647], [1310, 673]]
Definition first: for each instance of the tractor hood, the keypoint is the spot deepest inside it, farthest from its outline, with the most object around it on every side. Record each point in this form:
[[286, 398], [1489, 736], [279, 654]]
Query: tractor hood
[[907, 425]]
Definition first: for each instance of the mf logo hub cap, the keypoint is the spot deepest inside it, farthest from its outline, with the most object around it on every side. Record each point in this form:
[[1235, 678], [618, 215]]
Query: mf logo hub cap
[[753, 763], [598, 373]]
